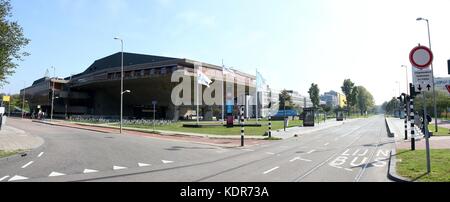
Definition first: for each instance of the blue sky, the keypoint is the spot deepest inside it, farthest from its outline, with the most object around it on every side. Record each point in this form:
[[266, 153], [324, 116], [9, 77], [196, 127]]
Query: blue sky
[[293, 43]]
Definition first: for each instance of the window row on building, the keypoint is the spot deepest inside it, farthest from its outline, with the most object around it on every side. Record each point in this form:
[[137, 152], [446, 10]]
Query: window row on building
[[143, 73]]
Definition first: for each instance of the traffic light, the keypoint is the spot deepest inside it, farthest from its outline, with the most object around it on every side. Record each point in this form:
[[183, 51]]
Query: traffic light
[[448, 62], [412, 89]]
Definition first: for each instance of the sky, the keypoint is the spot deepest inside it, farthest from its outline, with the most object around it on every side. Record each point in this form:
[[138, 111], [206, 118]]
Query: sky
[[292, 43]]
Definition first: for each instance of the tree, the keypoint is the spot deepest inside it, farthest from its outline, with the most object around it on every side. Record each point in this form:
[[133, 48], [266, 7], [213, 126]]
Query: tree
[[351, 92], [391, 106], [314, 93], [285, 100], [365, 100], [12, 40], [442, 103]]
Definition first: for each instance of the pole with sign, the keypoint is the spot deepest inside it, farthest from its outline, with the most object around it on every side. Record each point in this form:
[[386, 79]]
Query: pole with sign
[[421, 58]]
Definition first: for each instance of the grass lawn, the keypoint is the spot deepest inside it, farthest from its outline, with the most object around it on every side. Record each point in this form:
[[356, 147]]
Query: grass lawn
[[4, 154], [441, 131], [253, 131], [413, 165]]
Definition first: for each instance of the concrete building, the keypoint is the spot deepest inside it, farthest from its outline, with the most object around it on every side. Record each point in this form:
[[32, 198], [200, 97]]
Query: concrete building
[[334, 99], [96, 91]]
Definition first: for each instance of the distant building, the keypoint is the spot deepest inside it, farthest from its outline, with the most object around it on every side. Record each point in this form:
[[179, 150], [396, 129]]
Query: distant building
[[441, 83], [334, 99]]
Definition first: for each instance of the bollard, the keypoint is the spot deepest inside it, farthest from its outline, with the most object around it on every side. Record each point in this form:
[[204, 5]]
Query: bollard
[[270, 126], [242, 127], [406, 116], [412, 117]]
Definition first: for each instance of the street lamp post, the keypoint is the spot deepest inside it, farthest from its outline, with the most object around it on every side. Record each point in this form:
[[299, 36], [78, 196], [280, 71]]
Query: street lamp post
[[53, 93], [432, 72], [121, 86], [407, 79]]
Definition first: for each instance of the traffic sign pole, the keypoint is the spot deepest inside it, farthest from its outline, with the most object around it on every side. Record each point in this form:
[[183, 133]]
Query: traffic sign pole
[[427, 134]]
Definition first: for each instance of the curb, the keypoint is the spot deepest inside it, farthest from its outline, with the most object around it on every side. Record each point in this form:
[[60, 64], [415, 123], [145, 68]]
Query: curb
[[67, 126], [388, 126], [162, 133], [392, 169]]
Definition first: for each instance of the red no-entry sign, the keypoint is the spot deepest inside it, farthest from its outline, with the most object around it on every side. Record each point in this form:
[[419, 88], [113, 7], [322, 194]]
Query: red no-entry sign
[[421, 57]]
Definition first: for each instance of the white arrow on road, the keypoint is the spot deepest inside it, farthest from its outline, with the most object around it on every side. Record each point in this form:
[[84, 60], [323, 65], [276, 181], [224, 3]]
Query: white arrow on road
[[166, 162], [119, 168], [17, 177], [56, 174], [89, 171], [143, 165]]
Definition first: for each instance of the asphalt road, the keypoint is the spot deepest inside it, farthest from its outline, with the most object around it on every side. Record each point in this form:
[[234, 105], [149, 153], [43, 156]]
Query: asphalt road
[[354, 152]]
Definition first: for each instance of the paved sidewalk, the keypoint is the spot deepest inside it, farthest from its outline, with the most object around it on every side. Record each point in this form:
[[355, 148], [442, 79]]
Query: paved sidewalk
[[398, 128], [291, 132], [12, 139]]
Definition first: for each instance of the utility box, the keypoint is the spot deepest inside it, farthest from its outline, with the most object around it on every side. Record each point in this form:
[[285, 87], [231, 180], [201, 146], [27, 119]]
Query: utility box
[[340, 116]]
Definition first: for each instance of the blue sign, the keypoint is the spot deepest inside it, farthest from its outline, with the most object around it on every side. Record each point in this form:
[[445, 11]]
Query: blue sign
[[229, 109]]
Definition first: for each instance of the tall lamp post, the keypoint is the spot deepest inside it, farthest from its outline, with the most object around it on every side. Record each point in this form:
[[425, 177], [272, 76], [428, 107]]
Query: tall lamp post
[[53, 93], [121, 85], [432, 72], [407, 79]]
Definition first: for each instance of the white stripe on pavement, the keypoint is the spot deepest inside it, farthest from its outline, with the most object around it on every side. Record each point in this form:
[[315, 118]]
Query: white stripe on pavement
[[119, 168], [250, 150], [89, 171], [312, 151], [326, 144], [294, 159], [166, 162], [40, 154], [56, 174], [26, 165], [1, 179], [271, 170], [143, 165], [270, 153], [17, 177]]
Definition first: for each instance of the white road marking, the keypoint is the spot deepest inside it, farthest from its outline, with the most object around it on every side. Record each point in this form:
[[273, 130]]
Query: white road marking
[[250, 150], [312, 151], [1, 179], [119, 168], [89, 171], [166, 162], [294, 159], [26, 165], [40, 154], [271, 170], [17, 177], [143, 165], [348, 169], [302, 159], [56, 174], [326, 144], [270, 153]]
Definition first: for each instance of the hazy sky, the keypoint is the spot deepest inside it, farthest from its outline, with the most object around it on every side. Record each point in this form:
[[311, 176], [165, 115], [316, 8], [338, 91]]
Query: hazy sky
[[292, 43]]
